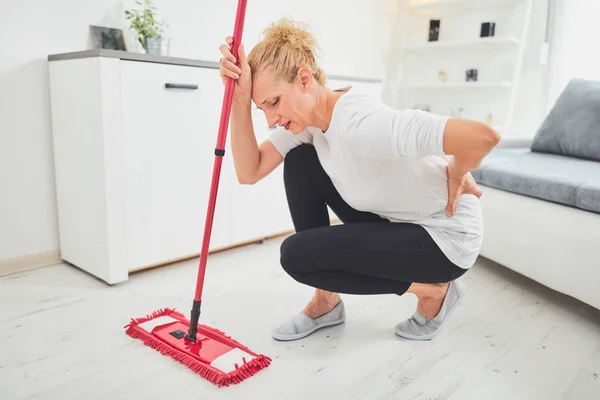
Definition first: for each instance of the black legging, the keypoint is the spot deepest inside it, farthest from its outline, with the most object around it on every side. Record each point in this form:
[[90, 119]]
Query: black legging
[[367, 254]]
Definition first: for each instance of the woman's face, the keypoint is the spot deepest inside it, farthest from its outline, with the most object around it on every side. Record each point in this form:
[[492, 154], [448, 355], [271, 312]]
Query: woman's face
[[285, 104]]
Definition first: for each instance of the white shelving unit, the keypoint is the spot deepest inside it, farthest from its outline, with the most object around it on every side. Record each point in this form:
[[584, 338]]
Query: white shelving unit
[[415, 63]]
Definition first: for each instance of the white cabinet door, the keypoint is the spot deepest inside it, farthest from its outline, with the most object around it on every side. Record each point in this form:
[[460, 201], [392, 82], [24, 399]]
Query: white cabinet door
[[170, 140]]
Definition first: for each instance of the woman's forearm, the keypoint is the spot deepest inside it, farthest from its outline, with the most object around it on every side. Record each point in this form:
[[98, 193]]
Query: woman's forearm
[[246, 154], [469, 142]]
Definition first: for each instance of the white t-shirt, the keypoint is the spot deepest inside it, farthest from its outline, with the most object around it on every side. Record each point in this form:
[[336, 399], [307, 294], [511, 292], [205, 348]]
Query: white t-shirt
[[391, 163]]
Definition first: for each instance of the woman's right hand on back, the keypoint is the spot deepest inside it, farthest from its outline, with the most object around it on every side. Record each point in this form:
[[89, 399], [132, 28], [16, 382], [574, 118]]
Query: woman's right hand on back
[[239, 72]]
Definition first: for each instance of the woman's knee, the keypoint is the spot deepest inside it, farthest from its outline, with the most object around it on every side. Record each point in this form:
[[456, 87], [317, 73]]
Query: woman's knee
[[291, 256]]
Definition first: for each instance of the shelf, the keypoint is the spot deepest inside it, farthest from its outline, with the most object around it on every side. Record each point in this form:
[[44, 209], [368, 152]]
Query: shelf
[[456, 85], [454, 5], [495, 42]]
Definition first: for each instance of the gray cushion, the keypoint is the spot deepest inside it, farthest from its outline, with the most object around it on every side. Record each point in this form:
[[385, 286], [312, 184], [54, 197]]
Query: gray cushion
[[572, 128], [563, 180]]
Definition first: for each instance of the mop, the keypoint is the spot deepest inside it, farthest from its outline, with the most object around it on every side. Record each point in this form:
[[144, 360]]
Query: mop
[[209, 352]]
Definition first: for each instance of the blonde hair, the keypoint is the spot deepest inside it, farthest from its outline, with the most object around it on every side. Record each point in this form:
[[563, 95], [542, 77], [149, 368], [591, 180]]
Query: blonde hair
[[286, 48]]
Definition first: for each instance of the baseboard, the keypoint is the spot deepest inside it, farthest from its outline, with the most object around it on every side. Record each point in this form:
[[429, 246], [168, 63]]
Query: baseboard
[[29, 262]]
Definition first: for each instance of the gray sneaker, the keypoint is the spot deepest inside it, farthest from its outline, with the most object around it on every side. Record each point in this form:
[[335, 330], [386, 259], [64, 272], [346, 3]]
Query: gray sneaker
[[420, 328], [301, 325]]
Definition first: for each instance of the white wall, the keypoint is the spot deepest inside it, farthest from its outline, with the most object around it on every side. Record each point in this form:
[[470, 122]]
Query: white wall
[[575, 51], [349, 31]]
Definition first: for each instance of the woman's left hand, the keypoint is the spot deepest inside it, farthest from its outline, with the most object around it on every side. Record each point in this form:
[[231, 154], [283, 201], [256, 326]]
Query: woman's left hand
[[459, 184]]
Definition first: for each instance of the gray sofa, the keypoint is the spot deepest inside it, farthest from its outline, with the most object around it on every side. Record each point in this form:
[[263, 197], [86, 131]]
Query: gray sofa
[[541, 203]]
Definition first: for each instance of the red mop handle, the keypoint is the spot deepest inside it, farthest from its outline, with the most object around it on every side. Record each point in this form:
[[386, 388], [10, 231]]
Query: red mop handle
[[220, 150]]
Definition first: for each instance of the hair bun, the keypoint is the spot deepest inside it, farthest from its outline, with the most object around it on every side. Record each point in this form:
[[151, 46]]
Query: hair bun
[[292, 33]]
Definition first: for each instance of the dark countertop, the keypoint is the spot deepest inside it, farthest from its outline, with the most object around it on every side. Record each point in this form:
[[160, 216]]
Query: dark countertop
[[126, 55]]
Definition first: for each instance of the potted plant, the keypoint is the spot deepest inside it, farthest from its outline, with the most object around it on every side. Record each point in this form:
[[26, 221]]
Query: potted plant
[[149, 30]]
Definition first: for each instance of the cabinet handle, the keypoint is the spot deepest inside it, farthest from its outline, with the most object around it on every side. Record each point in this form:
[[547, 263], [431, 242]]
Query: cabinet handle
[[181, 86]]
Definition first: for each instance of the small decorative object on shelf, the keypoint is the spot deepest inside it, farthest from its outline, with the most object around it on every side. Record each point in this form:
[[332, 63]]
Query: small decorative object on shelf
[[443, 76], [149, 29], [488, 119], [471, 75], [488, 29], [107, 38], [434, 30]]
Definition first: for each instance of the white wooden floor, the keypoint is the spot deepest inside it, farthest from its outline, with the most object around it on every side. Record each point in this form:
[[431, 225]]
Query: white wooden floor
[[62, 337]]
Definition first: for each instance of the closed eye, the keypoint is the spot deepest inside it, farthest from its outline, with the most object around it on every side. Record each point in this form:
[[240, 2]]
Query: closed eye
[[275, 102]]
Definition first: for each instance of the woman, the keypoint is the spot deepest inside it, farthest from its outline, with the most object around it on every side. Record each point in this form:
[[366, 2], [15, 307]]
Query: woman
[[398, 180]]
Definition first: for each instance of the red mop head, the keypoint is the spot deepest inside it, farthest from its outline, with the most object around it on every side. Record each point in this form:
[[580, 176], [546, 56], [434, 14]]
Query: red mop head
[[215, 356]]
